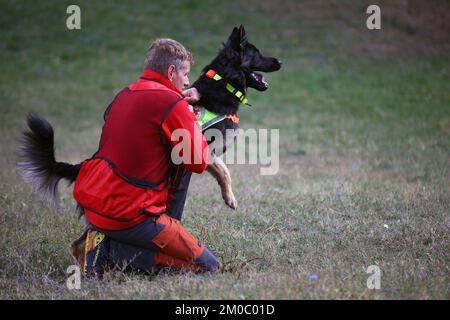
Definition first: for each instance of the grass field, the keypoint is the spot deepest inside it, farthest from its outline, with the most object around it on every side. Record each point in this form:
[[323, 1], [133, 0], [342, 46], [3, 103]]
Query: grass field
[[364, 119]]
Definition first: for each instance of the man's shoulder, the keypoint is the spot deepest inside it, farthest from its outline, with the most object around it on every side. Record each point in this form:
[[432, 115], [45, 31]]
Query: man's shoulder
[[155, 97], [152, 88]]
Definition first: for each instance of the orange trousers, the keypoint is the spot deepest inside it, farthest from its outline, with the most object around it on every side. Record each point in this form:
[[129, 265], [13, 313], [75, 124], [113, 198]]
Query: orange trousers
[[159, 242]]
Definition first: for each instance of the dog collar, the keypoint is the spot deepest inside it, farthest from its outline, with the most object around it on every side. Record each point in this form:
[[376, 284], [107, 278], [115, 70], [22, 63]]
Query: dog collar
[[238, 94], [206, 118]]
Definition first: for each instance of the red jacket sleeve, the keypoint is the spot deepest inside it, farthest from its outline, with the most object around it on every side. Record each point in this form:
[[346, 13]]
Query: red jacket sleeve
[[189, 139]]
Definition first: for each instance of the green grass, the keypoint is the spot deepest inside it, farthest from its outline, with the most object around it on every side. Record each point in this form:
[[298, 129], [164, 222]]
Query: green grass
[[364, 119]]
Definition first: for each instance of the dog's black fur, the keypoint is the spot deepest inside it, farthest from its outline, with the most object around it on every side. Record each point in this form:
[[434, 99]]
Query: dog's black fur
[[236, 63], [37, 162]]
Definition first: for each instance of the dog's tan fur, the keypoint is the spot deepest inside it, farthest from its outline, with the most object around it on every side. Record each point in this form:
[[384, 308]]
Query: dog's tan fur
[[220, 171]]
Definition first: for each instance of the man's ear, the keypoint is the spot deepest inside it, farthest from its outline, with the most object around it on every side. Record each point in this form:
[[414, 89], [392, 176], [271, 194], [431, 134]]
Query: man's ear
[[171, 70]]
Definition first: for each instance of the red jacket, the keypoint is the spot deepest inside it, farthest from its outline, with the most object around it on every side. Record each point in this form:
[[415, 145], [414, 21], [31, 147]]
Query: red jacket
[[129, 177]]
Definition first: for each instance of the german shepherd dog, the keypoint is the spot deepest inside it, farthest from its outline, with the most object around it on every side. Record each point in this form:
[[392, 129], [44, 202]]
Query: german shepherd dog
[[237, 64]]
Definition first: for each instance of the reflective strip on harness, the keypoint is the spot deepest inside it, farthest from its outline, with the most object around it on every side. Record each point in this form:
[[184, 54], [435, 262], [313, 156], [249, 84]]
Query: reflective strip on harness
[[208, 118], [228, 86]]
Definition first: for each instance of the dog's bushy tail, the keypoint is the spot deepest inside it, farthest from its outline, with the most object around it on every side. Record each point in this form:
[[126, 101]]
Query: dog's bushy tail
[[36, 160]]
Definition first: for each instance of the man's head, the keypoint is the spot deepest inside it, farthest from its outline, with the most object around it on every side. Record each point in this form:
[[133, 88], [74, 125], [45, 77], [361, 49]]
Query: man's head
[[169, 58]]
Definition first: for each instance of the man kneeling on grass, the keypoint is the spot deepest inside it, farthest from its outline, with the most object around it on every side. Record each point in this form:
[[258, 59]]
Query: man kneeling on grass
[[124, 189]]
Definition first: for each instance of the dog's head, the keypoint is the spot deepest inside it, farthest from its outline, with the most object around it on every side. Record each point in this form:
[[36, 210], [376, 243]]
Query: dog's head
[[249, 60]]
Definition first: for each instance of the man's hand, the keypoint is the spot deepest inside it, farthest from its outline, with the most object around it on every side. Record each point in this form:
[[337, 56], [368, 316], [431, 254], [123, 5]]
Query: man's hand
[[191, 95]]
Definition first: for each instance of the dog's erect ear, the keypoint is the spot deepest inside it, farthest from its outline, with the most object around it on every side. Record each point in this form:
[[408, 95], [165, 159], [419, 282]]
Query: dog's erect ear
[[235, 37], [242, 32], [233, 47], [243, 36], [238, 36], [236, 42]]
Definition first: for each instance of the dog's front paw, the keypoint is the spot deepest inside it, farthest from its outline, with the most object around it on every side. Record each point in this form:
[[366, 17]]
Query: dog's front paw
[[230, 200]]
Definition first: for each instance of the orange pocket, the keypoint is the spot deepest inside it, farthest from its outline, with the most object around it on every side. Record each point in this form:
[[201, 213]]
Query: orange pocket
[[166, 234]]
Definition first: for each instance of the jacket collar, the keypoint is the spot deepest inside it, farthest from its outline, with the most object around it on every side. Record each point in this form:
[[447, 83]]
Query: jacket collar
[[156, 76]]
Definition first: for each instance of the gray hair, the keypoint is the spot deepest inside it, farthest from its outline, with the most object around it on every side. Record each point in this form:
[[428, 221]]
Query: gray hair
[[164, 52]]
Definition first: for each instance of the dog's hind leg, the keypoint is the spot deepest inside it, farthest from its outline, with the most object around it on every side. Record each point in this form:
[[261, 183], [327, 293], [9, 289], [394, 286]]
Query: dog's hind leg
[[220, 171]]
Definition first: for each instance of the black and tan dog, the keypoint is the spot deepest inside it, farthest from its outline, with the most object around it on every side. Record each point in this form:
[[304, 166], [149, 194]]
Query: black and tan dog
[[223, 87]]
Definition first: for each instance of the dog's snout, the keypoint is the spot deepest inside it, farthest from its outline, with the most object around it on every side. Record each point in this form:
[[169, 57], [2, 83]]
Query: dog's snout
[[280, 62]]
